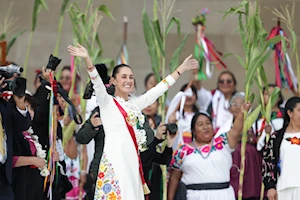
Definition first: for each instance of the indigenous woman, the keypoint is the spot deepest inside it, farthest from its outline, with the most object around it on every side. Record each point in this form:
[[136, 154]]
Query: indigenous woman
[[280, 157], [252, 176], [216, 102], [120, 171], [203, 166]]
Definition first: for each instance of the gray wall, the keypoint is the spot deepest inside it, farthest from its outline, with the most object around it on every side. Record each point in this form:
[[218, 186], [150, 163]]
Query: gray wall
[[221, 32]]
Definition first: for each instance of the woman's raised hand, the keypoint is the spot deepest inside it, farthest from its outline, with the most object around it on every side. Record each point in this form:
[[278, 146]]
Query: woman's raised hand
[[78, 51], [189, 64]]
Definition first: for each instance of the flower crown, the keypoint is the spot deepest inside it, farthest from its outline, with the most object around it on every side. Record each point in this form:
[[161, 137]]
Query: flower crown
[[200, 19]]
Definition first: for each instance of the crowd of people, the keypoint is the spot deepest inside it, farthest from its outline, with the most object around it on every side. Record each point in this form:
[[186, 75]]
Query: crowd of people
[[118, 151]]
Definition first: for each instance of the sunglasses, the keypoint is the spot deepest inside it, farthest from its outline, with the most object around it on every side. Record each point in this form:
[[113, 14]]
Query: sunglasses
[[228, 81], [65, 77]]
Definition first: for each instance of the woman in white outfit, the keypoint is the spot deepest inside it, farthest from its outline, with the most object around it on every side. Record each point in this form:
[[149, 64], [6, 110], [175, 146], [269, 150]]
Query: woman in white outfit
[[281, 164], [203, 165], [120, 171]]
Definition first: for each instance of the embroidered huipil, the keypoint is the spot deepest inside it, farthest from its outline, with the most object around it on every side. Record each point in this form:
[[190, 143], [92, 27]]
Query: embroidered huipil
[[118, 176], [289, 164], [209, 164]]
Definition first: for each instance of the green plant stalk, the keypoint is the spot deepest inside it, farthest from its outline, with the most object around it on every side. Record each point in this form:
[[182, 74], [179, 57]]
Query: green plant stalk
[[60, 24], [298, 68], [27, 54]]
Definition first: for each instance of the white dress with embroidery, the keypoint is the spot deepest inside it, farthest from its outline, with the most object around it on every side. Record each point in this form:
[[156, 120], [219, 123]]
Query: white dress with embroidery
[[212, 167], [119, 176]]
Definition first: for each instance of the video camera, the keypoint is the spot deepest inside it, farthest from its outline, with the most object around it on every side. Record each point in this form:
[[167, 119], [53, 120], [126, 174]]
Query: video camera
[[18, 84]]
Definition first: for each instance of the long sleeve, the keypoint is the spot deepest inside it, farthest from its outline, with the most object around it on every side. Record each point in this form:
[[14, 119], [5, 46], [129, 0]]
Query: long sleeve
[[153, 94], [204, 98], [87, 133], [269, 169], [100, 90], [163, 158]]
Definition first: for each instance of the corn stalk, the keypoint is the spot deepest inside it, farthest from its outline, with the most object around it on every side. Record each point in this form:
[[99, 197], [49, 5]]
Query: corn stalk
[[288, 18], [155, 34], [85, 32], [6, 28], [255, 46], [37, 7]]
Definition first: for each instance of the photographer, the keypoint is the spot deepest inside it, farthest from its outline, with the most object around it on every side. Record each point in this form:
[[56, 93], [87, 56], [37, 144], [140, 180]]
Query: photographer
[[10, 113], [151, 156]]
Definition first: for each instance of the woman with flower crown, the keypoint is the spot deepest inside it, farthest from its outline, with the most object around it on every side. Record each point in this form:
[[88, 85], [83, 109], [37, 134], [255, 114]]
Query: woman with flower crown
[[120, 170]]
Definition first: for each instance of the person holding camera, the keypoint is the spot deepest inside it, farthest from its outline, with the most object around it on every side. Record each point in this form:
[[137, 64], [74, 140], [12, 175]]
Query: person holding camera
[[151, 156], [10, 113]]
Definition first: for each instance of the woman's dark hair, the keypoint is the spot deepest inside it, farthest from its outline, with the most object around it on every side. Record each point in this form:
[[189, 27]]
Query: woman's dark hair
[[280, 96], [66, 68], [195, 108], [289, 106], [147, 78], [30, 100], [194, 120], [117, 68]]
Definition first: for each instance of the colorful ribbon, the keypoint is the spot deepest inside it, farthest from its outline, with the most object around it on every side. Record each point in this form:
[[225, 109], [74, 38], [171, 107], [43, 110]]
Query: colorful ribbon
[[284, 73]]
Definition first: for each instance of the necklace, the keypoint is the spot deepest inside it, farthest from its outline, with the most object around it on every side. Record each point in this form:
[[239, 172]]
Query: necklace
[[210, 149]]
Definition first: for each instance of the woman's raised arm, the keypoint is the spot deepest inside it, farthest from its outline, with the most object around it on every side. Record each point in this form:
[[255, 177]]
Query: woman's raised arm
[[153, 94], [100, 89]]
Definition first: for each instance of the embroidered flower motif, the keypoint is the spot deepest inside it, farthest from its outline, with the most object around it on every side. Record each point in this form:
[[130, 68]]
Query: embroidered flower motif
[[219, 140], [112, 196], [294, 140], [107, 186], [219, 146], [190, 151], [206, 149]]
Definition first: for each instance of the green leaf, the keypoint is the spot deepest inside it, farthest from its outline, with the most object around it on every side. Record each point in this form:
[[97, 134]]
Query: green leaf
[[106, 11], [158, 36], [174, 59], [2, 36], [294, 42], [252, 117], [251, 98], [13, 40], [96, 54], [148, 33], [64, 7], [240, 59], [242, 32], [271, 103], [171, 23]]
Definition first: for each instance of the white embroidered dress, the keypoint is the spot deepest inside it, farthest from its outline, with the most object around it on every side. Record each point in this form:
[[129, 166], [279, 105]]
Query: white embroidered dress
[[119, 176]]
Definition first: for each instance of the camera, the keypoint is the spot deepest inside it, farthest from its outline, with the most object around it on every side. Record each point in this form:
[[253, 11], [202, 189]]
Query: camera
[[53, 62], [9, 71], [17, 86], [172, 128]]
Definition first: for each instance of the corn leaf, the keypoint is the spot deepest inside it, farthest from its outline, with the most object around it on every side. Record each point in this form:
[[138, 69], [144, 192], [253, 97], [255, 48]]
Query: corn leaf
[[251, 98], [64, 7], [251, 118], [173, 21], [106, 11], [263, 77], [96, 54], [294, 42], [271, 103], [158, 36], [68, 132], [37, 6], [242, 32], [148, 33], [240, 59], [174, 59], [13, 40]]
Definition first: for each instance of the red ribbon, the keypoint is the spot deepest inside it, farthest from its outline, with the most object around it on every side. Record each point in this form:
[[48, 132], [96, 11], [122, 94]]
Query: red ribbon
[[132, 134]]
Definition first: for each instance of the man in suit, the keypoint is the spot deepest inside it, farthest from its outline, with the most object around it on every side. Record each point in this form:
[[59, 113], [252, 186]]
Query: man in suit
[[10, 114]]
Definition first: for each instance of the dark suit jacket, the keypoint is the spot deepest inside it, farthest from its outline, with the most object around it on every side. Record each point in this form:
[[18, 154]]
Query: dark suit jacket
[[13, 122]]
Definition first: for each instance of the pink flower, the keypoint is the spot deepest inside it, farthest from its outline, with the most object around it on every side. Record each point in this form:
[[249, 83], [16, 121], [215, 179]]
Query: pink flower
[[205, 149], [181, 155], [219, 140], [219, 146], [190, 151]]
